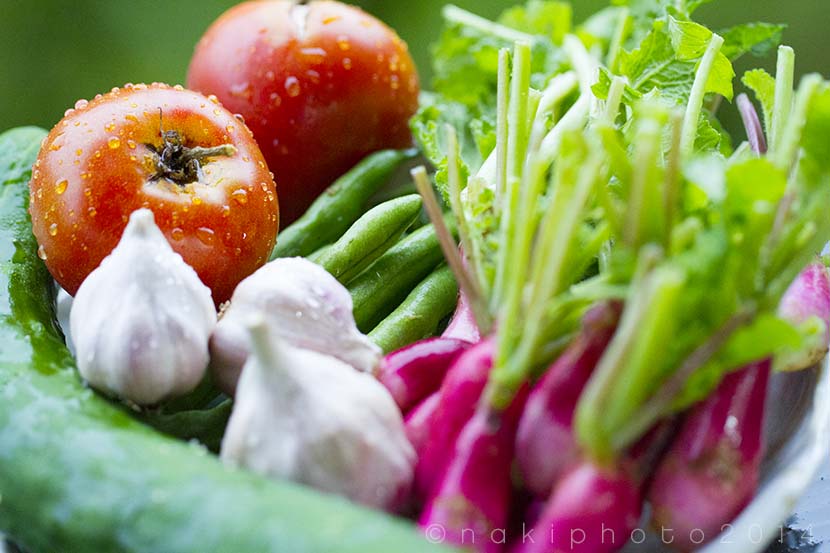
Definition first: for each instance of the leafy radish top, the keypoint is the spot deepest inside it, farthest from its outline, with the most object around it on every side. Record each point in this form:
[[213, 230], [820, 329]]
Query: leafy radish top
[[585, 162]]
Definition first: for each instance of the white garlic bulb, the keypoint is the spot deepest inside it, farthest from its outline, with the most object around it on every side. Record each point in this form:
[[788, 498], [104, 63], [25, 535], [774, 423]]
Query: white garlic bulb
[[141, 321], [308, 417], [304, 305]]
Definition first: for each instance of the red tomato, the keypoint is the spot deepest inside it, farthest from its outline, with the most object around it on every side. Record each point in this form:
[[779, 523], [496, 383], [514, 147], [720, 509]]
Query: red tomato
[[320, 85], [108, 157]]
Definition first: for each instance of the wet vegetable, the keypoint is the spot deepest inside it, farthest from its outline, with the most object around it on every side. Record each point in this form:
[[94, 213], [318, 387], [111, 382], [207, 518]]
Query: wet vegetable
[[75, 483]]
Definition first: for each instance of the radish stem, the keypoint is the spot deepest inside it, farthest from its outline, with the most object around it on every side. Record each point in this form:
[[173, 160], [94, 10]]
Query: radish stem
[[690, 121], [450, 249], [785, 68]]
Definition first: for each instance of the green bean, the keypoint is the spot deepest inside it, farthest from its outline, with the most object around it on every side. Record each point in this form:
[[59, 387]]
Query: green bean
[[420, 313], [366, 240], [339, 206], [381, 287]]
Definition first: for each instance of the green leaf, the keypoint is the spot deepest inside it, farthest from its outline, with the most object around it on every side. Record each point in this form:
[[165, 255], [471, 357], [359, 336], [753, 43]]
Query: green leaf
[[666, 61], [548, 18], [476, 136], [690, 41], [645, 12], [764, 337], [758, 39], [763, 85]]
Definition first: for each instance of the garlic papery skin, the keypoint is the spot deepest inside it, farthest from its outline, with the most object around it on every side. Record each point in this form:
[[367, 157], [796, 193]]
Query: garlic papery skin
[[304, 305], [310, 418], [141, 321]]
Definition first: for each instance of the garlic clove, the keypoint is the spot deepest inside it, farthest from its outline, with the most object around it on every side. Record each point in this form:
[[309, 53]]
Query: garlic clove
[[304, 305], [142, 320], [307, 417]]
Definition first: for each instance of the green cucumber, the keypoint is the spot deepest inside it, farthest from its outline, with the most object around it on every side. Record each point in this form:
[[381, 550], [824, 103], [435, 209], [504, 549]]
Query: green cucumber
[[78, 474]]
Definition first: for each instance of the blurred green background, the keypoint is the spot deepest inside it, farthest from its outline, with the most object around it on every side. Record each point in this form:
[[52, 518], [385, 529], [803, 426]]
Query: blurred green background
[[56, 51]]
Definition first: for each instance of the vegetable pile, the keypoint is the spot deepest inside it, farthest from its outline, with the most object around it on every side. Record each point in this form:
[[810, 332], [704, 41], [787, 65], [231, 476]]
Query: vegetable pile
[[625, 279]]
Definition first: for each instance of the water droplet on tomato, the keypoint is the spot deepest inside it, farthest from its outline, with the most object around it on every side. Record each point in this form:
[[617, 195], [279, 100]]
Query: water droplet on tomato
[[213, 99], [53, 229], [292, 86], [81, 104], [177, 234], [313, 55], [205, 235], [79, 151], [109, 127], [313, 76], [131, 144], [275, 99], [347, 63], [239, 117], [226, 210], [270, 75], [343, 42], [131, 117], [394, 82], [92, 212], [241, 90], [178, 87], [60, 188], [217, 112], [240, 196], [87, 192], [41, 252], [229, 129], [54, 147], [330, 19], [114, 143]]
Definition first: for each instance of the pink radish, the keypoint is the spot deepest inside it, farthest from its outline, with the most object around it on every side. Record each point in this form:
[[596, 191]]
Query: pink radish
[[712, 469], [472, 499], [459, 396], [808, 296], [545, 444], [592, 510], [415, 371], [463, 324], [419, 422]]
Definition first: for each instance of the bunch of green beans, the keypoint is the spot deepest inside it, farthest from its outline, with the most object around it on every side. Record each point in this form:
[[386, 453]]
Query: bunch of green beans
[[400, 292]]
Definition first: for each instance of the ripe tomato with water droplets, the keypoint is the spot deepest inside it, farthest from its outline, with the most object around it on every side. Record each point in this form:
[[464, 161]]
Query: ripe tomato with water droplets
[[321, 85], [174, 151]]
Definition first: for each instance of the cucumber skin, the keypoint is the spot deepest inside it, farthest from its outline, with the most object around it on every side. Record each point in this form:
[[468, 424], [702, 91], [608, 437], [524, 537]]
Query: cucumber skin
[[77, 474]]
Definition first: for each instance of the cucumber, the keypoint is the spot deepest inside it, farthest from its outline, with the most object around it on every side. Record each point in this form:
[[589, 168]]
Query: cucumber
[[77, 474]]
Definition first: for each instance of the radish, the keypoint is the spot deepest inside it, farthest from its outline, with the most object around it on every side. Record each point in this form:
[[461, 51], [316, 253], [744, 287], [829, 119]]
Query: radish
[[415, 371], [712, 469], [471, 503], [592, 510], [463, 323], [808, 297], [545, 444], [418, 422], [459, 396]]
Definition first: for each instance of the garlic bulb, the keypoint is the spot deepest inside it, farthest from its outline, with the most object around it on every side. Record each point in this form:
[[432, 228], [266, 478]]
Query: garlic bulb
[[304, 305], [141, 321], [308, 417]]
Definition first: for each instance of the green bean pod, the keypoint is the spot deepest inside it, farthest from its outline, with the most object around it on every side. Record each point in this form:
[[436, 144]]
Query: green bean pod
[[78, 474], [390, 279], [372, 235], [420, 313], [339, 206]]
